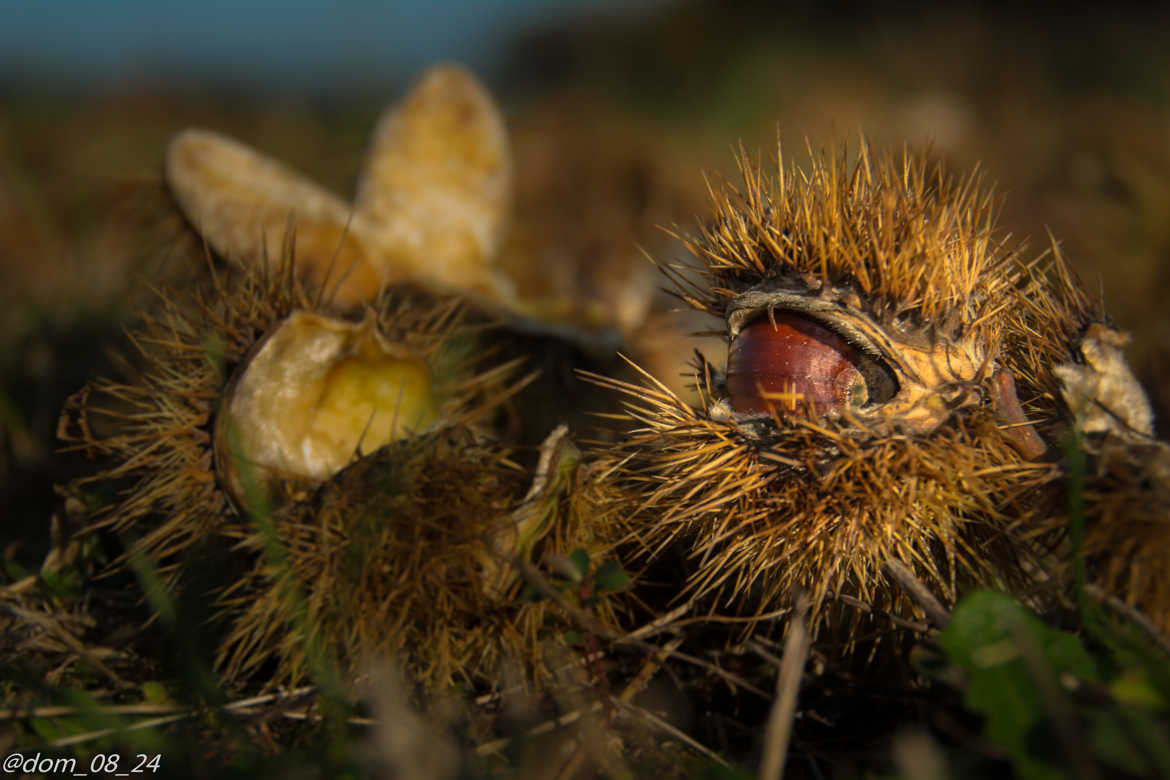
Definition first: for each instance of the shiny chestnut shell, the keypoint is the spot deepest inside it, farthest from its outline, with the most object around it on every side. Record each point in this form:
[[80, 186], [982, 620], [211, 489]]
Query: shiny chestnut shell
[[787, 362]]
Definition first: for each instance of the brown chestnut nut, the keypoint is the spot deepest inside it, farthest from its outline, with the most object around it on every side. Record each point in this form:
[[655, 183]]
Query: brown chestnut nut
[[788, 361]]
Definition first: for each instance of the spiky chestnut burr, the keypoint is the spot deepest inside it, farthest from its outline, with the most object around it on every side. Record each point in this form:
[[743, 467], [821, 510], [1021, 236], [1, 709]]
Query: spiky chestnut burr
[[1123, 481], [411, 553], [231, 385], [888, 396], [348, 471], [1126, 505]]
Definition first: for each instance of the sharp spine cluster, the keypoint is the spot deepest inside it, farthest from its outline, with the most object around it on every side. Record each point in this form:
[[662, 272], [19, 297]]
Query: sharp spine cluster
[[954, 476]]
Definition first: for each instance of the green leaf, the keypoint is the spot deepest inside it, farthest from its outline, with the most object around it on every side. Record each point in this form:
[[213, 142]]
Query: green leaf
[[1150, 734], [988, 637], [574, 637], [713, 771], [156, 592], [531, 593], [1133, 688], [610, 576], [49, 729], [580, 561], [154, 692], [1113, 743], [14, 571], [62, 584]]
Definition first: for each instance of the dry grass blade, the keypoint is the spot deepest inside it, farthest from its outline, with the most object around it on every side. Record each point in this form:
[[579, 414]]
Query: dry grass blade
[[681, 736], [1130, 613], [51, 624], [240, 708], [559, 722], [779, 729], [904, 576]]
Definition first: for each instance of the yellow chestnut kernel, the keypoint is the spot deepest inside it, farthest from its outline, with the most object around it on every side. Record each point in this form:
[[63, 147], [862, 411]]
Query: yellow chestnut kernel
[[316, 392], [366, 404]]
